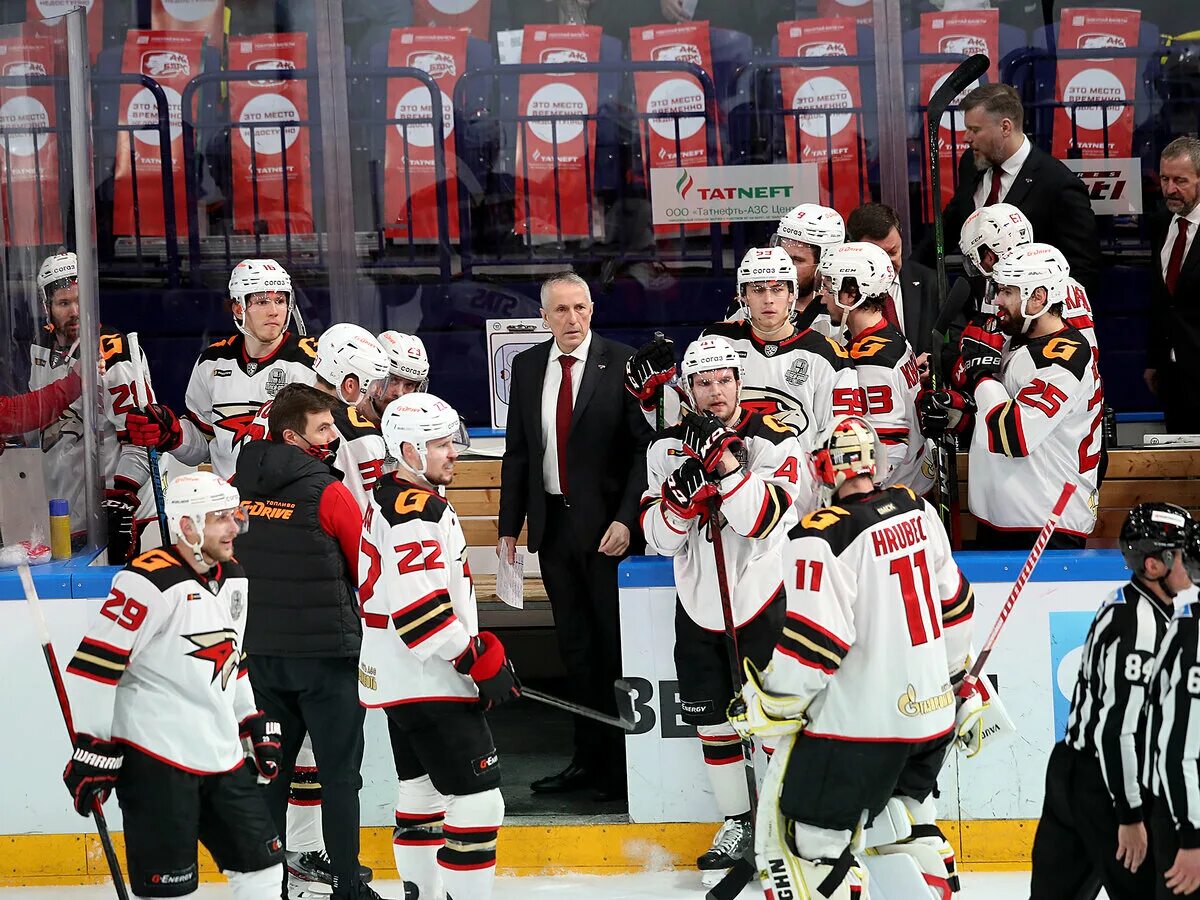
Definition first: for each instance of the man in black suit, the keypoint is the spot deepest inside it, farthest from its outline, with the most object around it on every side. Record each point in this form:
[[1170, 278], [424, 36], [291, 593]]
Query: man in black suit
[[1173, 355], [1001, 164], [915, 287], [575, 468]]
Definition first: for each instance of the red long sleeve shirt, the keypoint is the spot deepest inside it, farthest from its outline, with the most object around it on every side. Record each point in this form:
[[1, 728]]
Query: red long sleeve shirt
[[37, 409], [340, 517]]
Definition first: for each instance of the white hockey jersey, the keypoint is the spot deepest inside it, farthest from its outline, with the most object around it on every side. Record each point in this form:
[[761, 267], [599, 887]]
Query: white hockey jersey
[[1036, 429], [416, 597], [227, 388], [758, 507], [889, 380], [805, 381], [62, 440], [877, 621], [1077, 312], [161, 668]]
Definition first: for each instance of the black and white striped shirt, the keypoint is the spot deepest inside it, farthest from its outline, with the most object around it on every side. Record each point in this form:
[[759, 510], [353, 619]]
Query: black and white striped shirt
[[1173, 725], [1107, 716]]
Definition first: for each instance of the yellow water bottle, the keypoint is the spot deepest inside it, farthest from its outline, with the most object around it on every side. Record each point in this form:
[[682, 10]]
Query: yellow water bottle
[[60, 529]]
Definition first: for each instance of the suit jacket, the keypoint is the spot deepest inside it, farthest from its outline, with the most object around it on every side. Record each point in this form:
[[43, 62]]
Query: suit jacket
[[1055, 202], [918, 290], [606, 447], [1174, 320]]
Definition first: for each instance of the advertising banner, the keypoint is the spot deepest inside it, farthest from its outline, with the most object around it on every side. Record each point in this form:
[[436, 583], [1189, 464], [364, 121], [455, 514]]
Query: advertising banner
[[204, 16], [29, 185], [861, 11], [1114, 185], [409, 155], [171, 58], [268, 157], [473, 15], [1111, 79], [548, 204], [37, 10], [828, 139], [731, 193], [963, 33]]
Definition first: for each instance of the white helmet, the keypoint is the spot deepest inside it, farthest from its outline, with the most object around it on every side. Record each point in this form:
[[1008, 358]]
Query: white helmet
[[708, 354], [348, 349], [1000, 228], [866, 263], [1029, 268], [417, 419], [56, 271], [852, 448], [810, 223], [255, 276], [407, 358], [766, 264], [193, 496]]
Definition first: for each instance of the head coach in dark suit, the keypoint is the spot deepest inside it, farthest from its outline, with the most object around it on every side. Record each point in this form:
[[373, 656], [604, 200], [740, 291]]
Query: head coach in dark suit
[[1173, 355], [574, 468], [1002, 164]]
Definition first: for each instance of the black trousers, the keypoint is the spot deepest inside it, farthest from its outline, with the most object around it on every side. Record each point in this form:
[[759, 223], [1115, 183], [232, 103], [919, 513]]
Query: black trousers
[[989, 538], [1075, 848], [1164, 844], [582, 586], [318, 697], [1180, 400]]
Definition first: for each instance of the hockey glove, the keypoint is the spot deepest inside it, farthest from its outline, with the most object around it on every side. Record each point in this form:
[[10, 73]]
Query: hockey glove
[[758, 713], [686, 490], [968, 721], [120, 507], [491, 670], [706, 438], [261, 739], [980, 353], [92, 771], [155, 426], [942, 412], [651, 367]]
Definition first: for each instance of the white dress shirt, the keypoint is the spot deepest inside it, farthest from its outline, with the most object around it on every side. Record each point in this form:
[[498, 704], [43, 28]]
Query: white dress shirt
[[1008, 174], [897, 295], [1193, 219], [550, 406]]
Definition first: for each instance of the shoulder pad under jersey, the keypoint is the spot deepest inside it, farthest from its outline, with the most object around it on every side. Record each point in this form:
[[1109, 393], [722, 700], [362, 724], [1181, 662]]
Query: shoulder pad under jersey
[[766, 427], [226, 348], [840, 524], [402, 501], [161, 568], [114, 347], [353, 424], [823, 346], [885, 347], [1068, 349]]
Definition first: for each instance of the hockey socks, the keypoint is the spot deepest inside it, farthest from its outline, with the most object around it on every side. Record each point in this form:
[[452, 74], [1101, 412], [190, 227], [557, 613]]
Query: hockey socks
[[723, 763]]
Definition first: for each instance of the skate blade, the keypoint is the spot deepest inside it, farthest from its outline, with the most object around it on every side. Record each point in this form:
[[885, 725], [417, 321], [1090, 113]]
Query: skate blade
[[712, 877], [299, 889]]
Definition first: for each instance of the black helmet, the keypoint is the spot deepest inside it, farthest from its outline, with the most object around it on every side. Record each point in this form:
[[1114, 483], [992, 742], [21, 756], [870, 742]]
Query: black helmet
[[1154, 530], [1191, 553]]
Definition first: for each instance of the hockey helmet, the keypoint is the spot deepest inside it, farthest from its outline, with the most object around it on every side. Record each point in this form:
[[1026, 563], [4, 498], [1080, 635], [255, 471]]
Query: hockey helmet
[[193, 496], [348, 349], [1191, 553], [417, 419], [707, 354], [809, 223], [1031, 267], [766, 264], [57, 271], [853, 448], [1155, 530], [1000, 228], [407, 358], [256, 276], [866, 263]]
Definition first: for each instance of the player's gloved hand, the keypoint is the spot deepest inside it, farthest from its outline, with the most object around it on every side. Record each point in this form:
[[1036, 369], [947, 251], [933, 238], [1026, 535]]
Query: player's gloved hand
[[686, 490], [980, 353], [942, 412], [706, 438], [651, 367], [756, 712], [120, 507], [261, 739], [491, 670], [155, 426], [968, 719], [92, 771]]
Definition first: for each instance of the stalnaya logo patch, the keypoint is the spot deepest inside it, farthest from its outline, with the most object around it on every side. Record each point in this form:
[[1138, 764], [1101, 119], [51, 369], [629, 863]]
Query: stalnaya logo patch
[[798, 373]]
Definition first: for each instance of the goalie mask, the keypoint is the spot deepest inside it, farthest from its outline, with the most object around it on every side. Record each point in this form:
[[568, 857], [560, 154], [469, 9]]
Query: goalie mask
[[859, 268], [820, 227], [1000, 228], [1159, 531], [852, 449], [418, 419], [767, 264], [193, 496], [1029, 268], [259, 276], [708, 354], [347, 349]]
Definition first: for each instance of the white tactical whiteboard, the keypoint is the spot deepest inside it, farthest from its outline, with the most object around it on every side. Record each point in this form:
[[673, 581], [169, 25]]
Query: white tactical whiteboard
[[505, 339]]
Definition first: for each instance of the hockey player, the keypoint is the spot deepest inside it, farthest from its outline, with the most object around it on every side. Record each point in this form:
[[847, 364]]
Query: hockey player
[[806, 233], [54, 357], [426, 663], [1093, 818], [236, 375], [872, 591], [856, 278], [1039, 407], [754, 470], [164, 711]]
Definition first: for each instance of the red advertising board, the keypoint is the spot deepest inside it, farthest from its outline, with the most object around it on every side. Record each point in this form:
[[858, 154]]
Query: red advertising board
[[829, 139], [963, 33], [204, 16], [38, 10], [555, 155], [265, 157], [861, 11], [171, 58], [28, 158], [1101, 78], [473, 15]]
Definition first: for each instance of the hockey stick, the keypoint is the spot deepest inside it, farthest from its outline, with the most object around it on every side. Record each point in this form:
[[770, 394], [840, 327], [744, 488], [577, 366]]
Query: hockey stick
[[64, 705], [971, 679], [945, 448], [625, 718], [660, 408], [741, 873], [160, 507]]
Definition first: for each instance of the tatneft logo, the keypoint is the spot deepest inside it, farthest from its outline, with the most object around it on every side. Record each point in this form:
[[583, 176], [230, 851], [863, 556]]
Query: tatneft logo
[[165, 63], [733, 191], [684, 184], [688, 53], [562, 55], [434, 63]]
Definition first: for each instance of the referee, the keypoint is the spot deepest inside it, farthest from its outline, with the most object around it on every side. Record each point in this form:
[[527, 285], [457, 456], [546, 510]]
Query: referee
[[1172, 712], [1092, 829]]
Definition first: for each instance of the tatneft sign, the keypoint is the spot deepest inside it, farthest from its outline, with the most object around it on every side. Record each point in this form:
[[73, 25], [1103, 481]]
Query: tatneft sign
[[1114, 185], [730, 193]]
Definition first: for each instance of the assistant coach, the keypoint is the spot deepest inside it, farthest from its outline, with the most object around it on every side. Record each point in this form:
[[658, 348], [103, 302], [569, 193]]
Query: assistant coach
[[574, 468]]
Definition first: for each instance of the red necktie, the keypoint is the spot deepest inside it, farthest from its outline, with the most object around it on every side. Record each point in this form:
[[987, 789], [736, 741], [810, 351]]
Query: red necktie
[[1175, 263], [562, 419], [889, 310], [994, 192]]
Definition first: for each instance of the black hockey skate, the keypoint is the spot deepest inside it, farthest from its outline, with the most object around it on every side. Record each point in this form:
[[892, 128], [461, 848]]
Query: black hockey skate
[[313, 866], [734, 841]]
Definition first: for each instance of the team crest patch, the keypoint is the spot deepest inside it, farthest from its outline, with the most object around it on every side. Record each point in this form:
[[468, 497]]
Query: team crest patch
[[251, 367], [275, 382], [798, 373], [236, 605], [771, 349]]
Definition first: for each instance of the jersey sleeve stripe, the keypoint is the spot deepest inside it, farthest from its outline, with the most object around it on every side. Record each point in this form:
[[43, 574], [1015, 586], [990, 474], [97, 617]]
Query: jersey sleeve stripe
[[99, 662], [961, 606], [1004, 432], [775, 503], [893, 435], [207, 429], [808, 652], [420, 621], [822, 635]]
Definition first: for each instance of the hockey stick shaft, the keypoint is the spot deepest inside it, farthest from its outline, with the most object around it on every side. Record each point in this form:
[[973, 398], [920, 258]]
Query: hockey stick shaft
[[585, 711], [142, 390], [660, 407], [1043, 538], [64, 705]]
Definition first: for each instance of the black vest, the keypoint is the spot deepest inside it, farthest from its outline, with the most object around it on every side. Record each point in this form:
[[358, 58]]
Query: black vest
[[302, 600]]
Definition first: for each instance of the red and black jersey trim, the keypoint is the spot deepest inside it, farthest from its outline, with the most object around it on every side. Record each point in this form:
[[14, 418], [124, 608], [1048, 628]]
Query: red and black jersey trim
[[775, 503], [960, 606], [420, 621], [893, 435], [418, 829], [206, 429], [721, 749], [1005, 435], [807, 642], [99, 661], [305, 789], [468, 848]]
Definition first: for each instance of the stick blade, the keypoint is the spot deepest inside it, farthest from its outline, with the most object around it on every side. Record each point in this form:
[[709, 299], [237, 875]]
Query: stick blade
[[968, 71], [735, 880], [623, 691]]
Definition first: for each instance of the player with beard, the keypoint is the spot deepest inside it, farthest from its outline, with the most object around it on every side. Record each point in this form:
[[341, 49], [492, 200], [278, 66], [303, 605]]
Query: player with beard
[[806, 233]]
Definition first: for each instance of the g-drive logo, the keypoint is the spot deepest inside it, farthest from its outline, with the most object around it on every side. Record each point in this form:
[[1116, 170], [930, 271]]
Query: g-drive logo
[[731, 192]]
